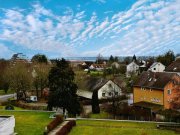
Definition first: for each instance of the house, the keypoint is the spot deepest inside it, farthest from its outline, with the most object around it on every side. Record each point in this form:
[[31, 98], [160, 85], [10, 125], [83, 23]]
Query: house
[[156, 88], [19, 58], [132, 68], [174, 67], [106, 88], [7, 125], [157, 67], [98, 67], [115, 64]]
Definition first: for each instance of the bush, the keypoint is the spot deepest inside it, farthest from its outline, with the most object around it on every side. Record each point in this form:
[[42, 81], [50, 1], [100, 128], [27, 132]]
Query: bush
[[66, 128], [9, 107], [53, 124]]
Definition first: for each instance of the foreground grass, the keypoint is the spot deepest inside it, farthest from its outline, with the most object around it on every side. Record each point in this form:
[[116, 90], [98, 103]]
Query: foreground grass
[[85, 127], [29, 123]]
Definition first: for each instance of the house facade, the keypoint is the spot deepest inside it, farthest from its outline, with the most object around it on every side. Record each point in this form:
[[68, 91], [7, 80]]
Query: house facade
[[132, 68], [108, 90], [157, 67], [156, 88]]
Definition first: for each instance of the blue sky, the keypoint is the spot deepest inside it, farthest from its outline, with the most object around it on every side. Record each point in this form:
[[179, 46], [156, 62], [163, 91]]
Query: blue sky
[[67, 28]]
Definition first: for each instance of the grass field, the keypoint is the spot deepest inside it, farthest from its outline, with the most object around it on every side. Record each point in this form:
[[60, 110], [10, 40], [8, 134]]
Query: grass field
[[29, 123], [8, 92], [85, 127]]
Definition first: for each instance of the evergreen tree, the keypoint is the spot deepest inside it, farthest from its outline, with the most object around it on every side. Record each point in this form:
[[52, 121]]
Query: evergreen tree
[[95, 102], [62, 88], [167, 58], [111, 59]]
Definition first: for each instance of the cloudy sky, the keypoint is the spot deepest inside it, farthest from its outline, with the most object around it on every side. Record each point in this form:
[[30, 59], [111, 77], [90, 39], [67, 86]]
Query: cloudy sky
[[67, 28]]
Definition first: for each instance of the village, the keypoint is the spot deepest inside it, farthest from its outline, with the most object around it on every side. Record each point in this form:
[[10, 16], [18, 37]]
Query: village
[[133, 89], [89, 67]]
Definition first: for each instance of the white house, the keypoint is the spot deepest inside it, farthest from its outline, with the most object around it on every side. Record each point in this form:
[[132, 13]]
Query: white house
[[109, 90], [98, 67], [115, 64], [157, 67], [132, 68]]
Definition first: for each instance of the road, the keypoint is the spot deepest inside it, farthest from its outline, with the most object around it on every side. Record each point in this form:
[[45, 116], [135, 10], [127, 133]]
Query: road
[[4, 98]]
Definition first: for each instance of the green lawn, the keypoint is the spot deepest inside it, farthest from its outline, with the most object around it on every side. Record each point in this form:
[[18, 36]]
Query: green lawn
[[85, 127], [8, 92], [15, 108], [29, 123], [102, 115]]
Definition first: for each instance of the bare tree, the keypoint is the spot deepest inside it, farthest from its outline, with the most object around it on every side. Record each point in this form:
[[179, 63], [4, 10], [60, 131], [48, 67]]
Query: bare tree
[[40, 77], [20, 79]]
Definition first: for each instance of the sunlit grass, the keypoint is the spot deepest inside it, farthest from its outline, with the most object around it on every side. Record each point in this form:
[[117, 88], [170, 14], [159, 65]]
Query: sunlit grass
[[29, 123], [85, 127]]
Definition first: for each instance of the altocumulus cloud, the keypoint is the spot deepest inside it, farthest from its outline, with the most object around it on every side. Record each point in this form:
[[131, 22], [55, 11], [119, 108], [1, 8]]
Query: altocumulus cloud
[[147, 28]]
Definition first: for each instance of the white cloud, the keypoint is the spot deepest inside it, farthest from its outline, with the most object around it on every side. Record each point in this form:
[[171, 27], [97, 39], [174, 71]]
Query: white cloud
[[145, 27]]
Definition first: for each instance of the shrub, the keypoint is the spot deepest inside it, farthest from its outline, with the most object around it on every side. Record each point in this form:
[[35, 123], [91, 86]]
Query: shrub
[[66, 128], [9, 107], [53, 124]]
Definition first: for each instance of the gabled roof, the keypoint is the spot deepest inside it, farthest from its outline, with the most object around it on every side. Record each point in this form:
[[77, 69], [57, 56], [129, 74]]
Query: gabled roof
[[156, 80], [154, 64], [174, 66], [94, 83]]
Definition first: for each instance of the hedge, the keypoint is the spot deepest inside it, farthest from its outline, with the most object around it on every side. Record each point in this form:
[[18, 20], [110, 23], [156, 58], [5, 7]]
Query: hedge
[[66, 128], [53, 124]]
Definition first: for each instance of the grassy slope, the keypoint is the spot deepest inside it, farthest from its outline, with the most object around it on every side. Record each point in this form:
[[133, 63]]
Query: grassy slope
[[117, 128], [29, 123]]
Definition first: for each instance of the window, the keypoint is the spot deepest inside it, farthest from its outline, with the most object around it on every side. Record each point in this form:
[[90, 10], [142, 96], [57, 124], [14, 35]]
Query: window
[[109, 93], [103, 94], [169, 92], [154, 68], [116, 93]]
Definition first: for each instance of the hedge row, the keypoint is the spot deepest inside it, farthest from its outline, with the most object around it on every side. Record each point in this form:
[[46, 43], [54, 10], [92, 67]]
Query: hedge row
[[29, 106], [53, 124], [66, 128]]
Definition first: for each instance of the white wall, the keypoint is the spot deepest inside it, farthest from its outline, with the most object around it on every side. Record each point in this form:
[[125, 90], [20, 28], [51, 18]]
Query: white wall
[[157, 68], [7, 126], [132, 68], [107, 88]]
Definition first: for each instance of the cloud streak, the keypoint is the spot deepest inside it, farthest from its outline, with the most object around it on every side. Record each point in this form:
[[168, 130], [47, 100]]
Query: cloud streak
[[145, 29]]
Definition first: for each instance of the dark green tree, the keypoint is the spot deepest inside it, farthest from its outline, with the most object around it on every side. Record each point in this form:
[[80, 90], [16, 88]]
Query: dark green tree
[[39, 58], [111, 59], [95, 102], [62, 88], [167, 58]]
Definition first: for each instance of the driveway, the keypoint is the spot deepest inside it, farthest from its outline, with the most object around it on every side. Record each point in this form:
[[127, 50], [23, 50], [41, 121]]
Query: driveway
[[4, 98]]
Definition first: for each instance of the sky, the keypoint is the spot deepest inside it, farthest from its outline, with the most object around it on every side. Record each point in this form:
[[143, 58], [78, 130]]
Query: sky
[[84, 28]]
